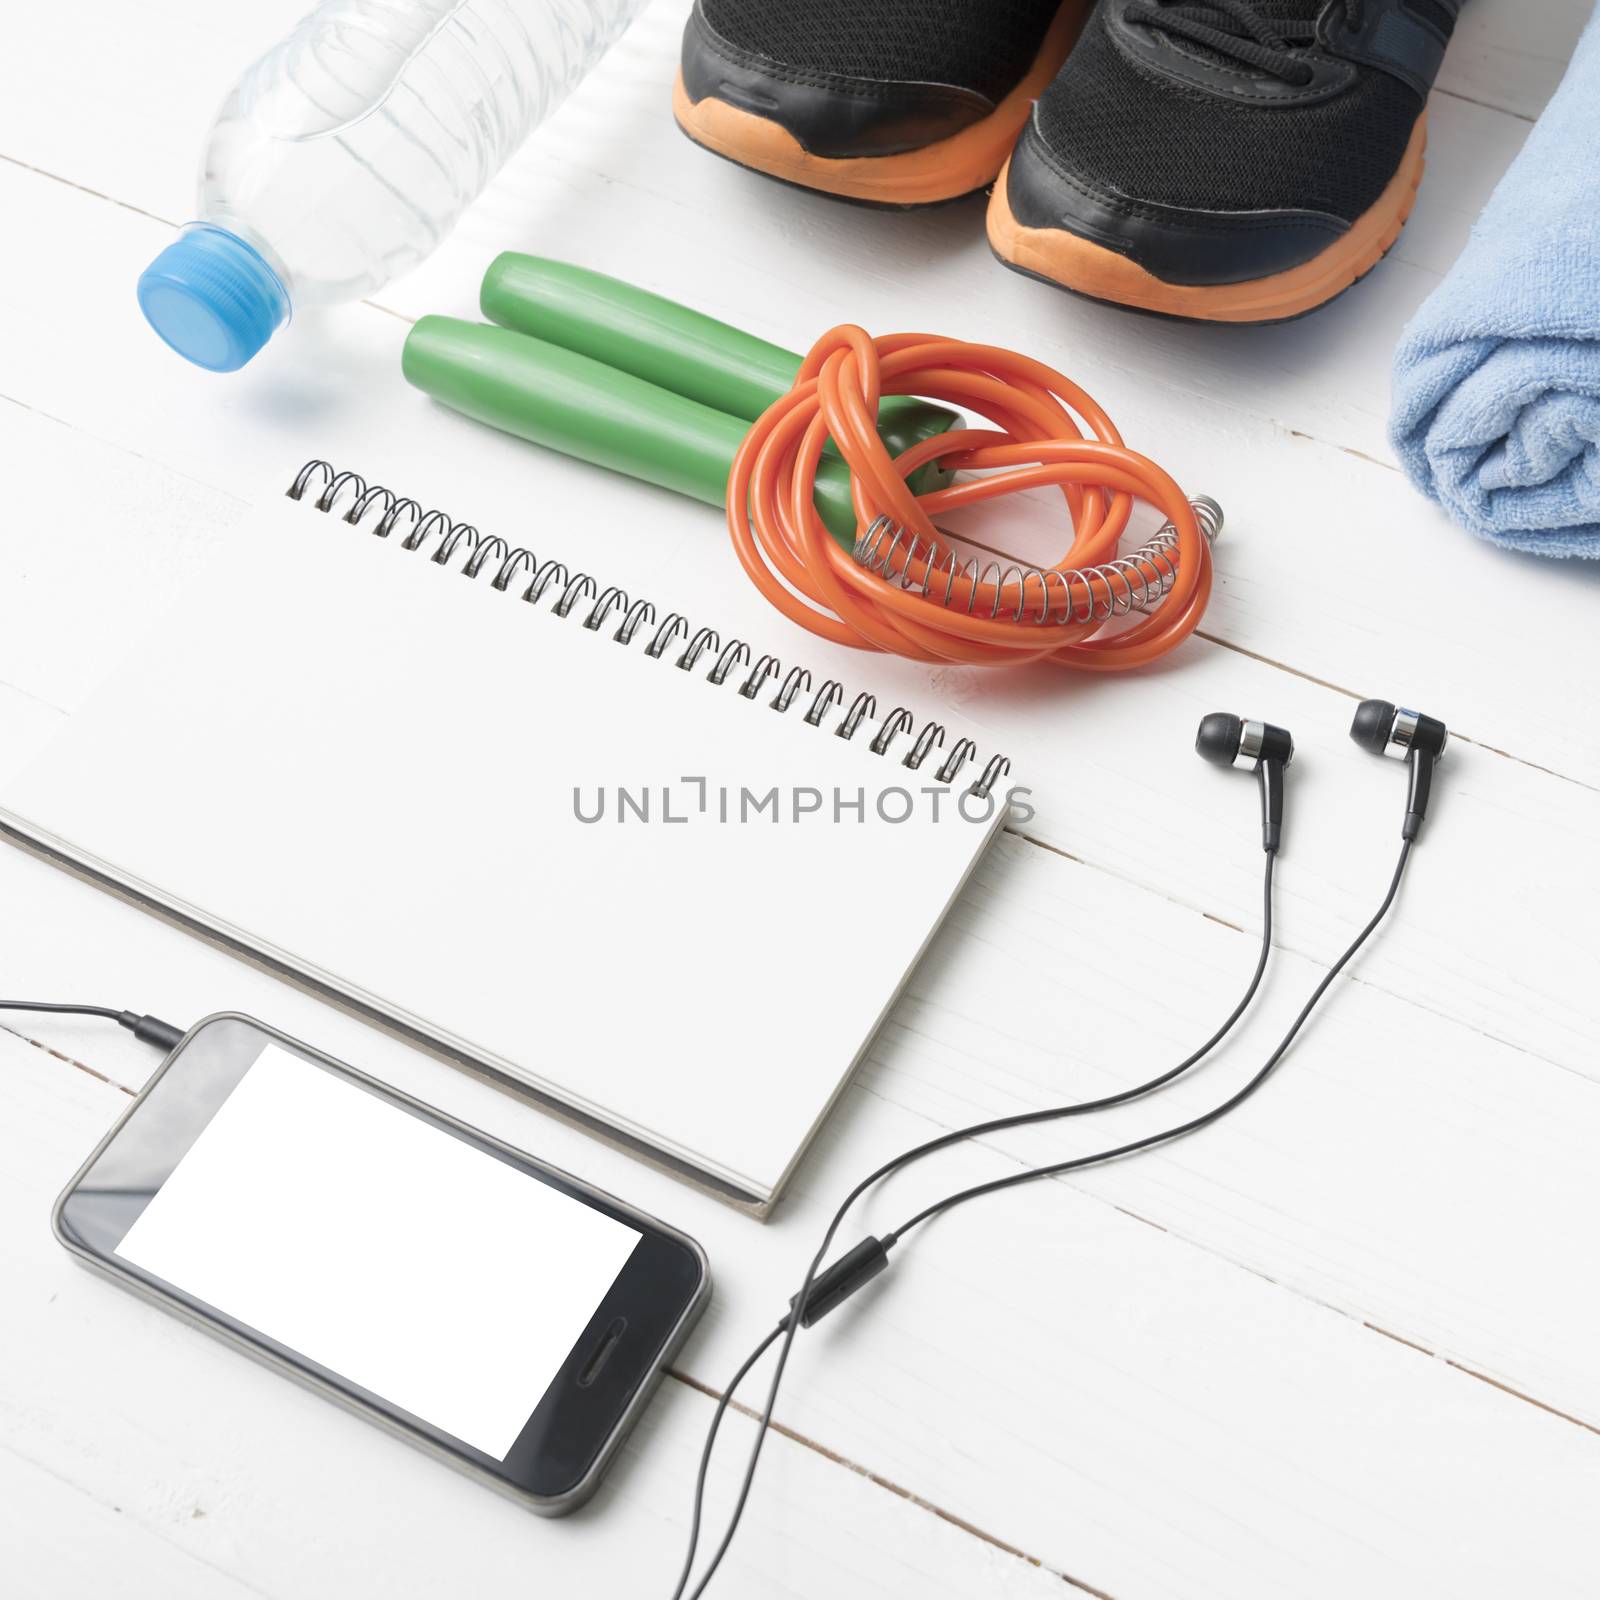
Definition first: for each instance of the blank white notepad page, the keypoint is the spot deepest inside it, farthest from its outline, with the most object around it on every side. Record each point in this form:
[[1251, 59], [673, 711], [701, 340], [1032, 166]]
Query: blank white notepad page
[[363, 765]]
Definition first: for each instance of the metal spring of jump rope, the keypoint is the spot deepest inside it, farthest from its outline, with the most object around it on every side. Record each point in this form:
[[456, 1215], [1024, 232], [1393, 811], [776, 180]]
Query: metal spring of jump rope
[[574, 588], [1061, 595]]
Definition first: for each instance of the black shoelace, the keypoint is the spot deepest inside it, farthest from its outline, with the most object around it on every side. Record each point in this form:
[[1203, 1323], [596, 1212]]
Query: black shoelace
[[1237, 30]]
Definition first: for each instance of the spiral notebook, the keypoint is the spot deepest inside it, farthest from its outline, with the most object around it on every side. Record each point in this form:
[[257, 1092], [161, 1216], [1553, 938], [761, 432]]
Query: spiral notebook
[[653, 877]]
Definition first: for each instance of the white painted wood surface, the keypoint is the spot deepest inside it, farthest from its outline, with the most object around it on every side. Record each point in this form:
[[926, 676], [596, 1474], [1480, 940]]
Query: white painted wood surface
[[1344, 1344]]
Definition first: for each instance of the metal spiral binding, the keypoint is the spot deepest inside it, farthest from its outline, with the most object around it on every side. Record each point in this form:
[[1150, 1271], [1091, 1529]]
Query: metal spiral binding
[[1133, 582], [573, 589]]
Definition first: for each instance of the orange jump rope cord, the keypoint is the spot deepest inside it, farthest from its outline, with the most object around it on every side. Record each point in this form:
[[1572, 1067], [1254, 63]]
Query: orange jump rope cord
[[1046, 431]]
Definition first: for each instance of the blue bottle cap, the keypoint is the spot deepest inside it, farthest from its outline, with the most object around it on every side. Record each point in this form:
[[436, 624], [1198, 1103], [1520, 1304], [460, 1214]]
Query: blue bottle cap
[[213, 298]]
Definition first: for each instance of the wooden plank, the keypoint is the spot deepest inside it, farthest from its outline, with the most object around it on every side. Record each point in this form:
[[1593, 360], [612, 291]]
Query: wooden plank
[[56, 1542], [1512, 55]]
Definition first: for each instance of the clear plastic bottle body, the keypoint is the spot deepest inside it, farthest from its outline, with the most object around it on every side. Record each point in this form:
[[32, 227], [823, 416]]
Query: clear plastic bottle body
[[346, 154]]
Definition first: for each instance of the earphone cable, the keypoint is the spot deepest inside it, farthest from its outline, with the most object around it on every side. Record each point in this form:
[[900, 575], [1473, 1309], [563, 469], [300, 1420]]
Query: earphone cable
[[49, 1005], [791, 1323], [1194, 1124], [145, 1028], [723, 1403]]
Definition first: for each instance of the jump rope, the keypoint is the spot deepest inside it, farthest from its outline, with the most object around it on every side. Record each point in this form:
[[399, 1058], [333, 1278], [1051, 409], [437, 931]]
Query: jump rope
[[832, 467], [1048, 433]]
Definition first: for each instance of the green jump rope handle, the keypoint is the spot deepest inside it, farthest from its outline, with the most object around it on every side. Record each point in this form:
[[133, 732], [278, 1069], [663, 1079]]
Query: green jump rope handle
[[671, 346], [585, 408]]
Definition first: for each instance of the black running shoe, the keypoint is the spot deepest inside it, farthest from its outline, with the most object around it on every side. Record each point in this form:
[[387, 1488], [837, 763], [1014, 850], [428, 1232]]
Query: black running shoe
[[897, 102], [1226, 160]]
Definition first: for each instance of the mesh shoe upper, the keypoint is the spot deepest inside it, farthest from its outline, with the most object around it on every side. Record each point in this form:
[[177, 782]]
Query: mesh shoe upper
[[1122, 127], [983, 45]]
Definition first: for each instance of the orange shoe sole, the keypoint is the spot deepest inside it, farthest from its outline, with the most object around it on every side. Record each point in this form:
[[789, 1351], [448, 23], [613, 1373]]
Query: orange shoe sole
[[1090, 269], [959, 165]]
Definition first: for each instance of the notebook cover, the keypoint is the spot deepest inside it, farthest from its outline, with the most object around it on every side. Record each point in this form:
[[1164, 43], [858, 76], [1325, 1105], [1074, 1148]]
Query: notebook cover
[[651, 900]]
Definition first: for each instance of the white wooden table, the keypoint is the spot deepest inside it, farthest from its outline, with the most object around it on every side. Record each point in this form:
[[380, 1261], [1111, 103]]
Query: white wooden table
[[1345, 1344]]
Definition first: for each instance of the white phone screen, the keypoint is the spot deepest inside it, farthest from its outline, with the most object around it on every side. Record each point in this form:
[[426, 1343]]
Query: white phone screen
[[407, 1261]]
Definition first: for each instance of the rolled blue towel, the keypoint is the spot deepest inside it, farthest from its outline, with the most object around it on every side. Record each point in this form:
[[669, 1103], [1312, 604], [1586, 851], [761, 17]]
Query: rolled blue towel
[[1497, 378]]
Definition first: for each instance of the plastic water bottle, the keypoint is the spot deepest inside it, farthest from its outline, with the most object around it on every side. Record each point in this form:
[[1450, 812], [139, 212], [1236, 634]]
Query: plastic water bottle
[[348, 151]]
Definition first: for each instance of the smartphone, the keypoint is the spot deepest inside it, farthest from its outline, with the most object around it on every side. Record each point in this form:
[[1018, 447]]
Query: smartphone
[[488, 1308]]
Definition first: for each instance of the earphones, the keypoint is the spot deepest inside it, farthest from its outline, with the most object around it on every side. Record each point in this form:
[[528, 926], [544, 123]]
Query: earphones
[[1226, 741], [1379, 727], [1419, 741], [1223, 740]]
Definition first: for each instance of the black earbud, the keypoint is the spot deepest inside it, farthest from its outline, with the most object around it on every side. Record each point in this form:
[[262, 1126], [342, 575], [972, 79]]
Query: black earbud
[[1228, 741], [1408, 736]]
